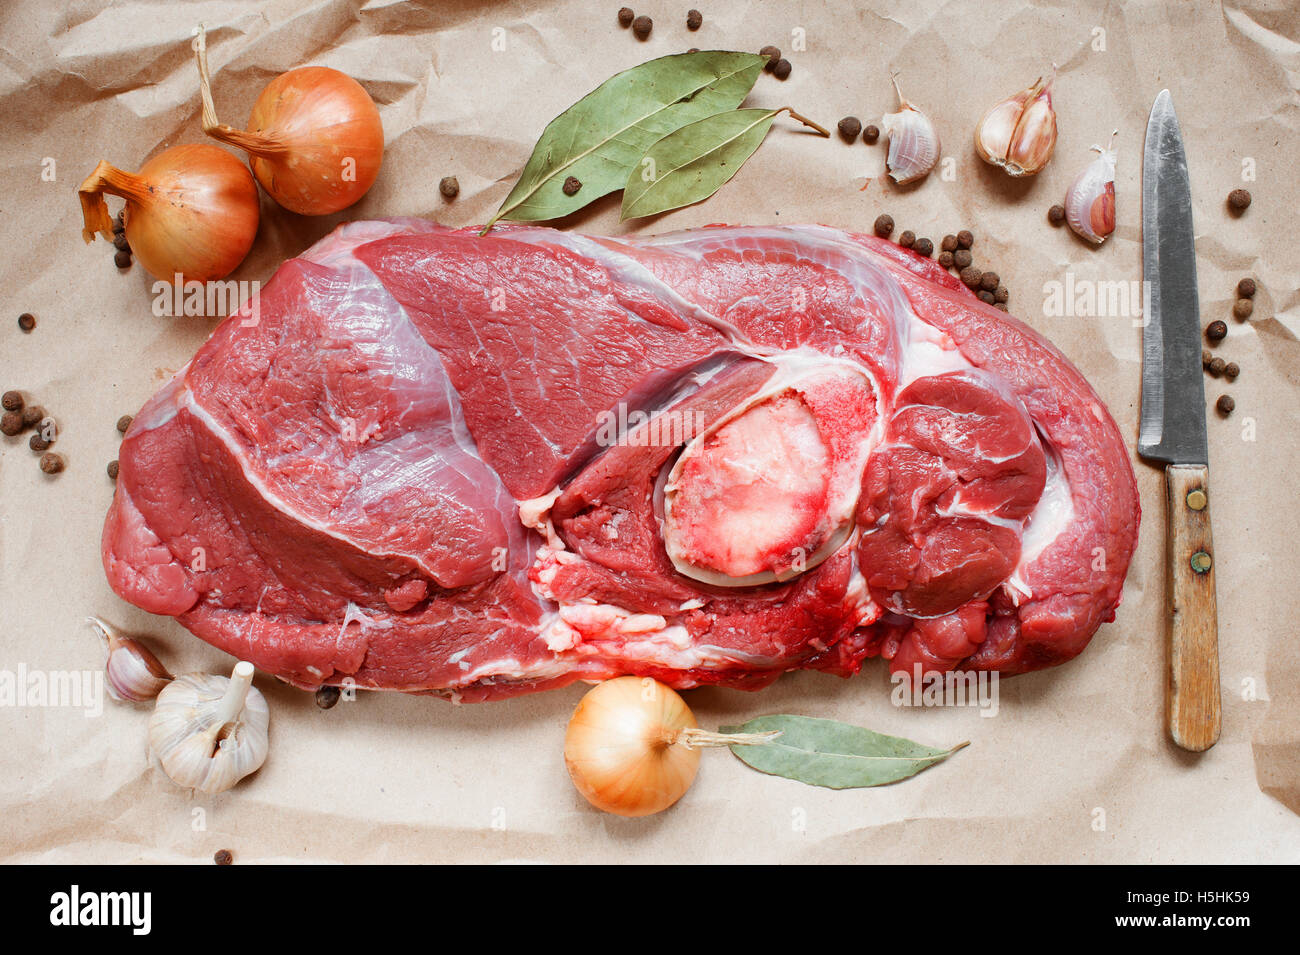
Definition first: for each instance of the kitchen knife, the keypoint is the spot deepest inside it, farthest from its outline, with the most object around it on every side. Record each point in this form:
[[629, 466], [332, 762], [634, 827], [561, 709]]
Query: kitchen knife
[[1173, 428]]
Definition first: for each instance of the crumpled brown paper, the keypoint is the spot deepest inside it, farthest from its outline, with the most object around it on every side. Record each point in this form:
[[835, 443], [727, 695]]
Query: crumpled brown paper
[[1075, 765]]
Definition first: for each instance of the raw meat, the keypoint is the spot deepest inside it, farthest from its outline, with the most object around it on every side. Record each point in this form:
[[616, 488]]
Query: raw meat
[[427, 461]]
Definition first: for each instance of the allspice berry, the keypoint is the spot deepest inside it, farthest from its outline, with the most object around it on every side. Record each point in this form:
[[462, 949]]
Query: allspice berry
[[985, 296], [51, 463], [849, 128], [625, 16], [773, 55], [884, 226], [1216, 331], [1218, 366], [37, 442], [949, 243], [870, 135], [122, 259], [694, 19], [1000, 294], [923, 247], [13, 401], [971, 276], [989, 281], [32, 415], [124, 422], [112, 469], [223, 857], [11, 423], [1246, 288], [1239, 200], [962, 258], [26, 321], [782, 69], [1231, 370], [907, 239], [1242, 309], [945, 259], [571, 185], [449, 186], [1056, 214], [1225, 404], [642, 26], [965, 239]]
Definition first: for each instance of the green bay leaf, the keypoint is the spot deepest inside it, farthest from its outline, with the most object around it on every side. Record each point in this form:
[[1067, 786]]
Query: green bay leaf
[[600, 138], [693, 161], [833, 754]]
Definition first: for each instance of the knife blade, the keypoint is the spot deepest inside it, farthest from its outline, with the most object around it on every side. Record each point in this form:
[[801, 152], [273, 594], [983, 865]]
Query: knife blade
[[1172, 429]]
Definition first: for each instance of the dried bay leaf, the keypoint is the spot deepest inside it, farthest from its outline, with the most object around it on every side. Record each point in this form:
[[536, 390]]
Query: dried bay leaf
[[602, 137], [833, 754]]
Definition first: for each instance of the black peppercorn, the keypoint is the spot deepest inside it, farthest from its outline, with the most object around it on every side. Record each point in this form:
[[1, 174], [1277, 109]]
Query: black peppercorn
[[13, 401], [849, 128], [773, 55], [782, 69], [1216, 331], [907, 239], [1243, 308], [962, 258], [1056, 214], [870, 135], [924, 247], [571, 185], [1246, 288], [449, 186], [51, 463], [27, 321], [1238, 200], [965, 239], [327, 696], [694, 19], [1225, 404], [884, 226], [642, 26]]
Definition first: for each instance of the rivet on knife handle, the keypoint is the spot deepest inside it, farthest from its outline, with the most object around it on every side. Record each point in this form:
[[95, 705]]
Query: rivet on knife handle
[[1194, 702]]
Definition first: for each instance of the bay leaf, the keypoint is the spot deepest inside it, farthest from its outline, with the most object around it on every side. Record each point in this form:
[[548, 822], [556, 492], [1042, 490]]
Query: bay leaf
[[833, 754], [693, 161], [600, 138]]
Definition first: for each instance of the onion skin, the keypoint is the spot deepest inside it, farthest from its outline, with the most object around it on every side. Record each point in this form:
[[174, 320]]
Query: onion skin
[[621, 747], [192, 210]]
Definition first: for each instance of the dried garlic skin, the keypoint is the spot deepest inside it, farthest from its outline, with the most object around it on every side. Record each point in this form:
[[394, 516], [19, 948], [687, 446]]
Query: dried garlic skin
[[1090, 202], [1019, 134], [913, 142], [209, 731]]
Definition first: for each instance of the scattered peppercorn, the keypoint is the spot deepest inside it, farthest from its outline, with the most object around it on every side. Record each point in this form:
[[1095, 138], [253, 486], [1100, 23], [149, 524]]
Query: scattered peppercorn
[[694, 19], [985, 296], [571, 185], [27, 321], [118, 224], [1246, 288], [924, 247], [11, 423], [449, 186], [1218, 366], [32, 415], [1239, 200], [124, 422], [119, 241], [327, 696], [945, 259], [989, 281], [962, 258], [965, 239], [1243, 308], [1001, 294], [1231, 370], [1206, 358], [122, 260], [1216, 331], [971, 276], [849, 128], [773, 55], [949, 243], [51, 463], [694, 49], [1001, 305], [1225, 404], [1056, 214], [907, 239], [112, 470], [870, 135], [223, 857], [37, 442], [884, 226], [13, 401], [642, 26], [782, 69]]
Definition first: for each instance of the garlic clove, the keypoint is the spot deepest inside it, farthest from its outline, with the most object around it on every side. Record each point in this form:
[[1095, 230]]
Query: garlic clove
[[209, 732], [913, 141], [1090, 201], [133, 673], [1019, 133]]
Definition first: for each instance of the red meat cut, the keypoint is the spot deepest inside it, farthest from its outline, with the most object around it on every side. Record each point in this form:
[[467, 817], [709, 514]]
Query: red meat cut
[[428, 461]]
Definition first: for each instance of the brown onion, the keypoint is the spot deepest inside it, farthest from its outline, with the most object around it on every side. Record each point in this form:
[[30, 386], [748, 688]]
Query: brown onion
[[191, 210], [314, 138]]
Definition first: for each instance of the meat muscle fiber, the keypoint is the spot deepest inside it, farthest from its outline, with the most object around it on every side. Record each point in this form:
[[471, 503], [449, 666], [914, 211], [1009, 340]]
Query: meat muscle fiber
[[427, 461]]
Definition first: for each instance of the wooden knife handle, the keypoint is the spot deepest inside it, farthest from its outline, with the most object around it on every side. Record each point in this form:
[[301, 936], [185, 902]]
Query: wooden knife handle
[[1194, 706]]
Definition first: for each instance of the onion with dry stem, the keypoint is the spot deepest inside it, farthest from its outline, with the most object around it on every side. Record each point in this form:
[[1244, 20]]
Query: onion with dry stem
[[190, 211], [315, 140], [633, 746]]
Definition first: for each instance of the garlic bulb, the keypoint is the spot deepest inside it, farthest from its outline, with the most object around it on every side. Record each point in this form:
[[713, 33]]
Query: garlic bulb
[[913, 141], [133, 673], [209, 732], [1090, 203], [1019, 133]]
